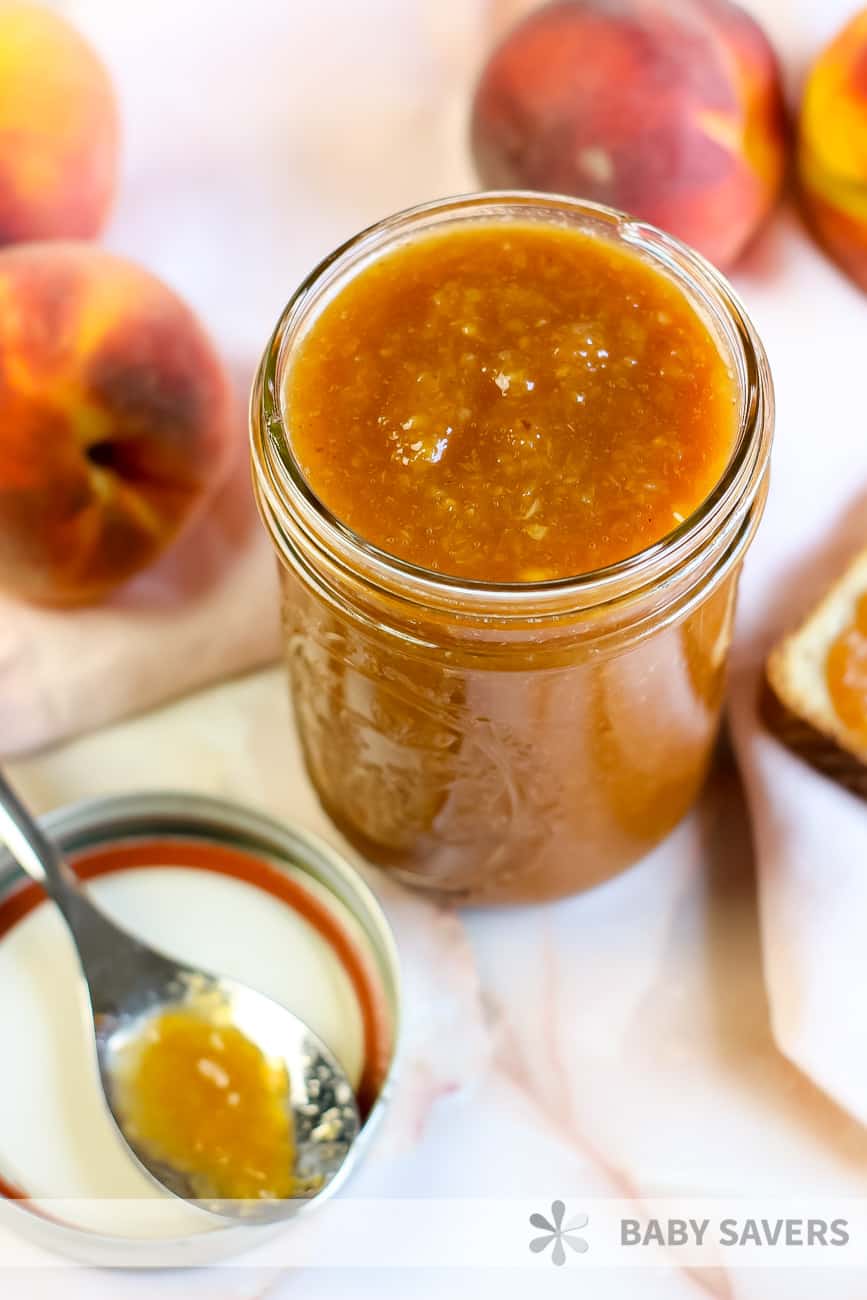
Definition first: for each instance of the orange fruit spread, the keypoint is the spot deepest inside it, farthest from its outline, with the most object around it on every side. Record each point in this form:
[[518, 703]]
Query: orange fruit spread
[[846, 672], [204, 1099], [511, 402]]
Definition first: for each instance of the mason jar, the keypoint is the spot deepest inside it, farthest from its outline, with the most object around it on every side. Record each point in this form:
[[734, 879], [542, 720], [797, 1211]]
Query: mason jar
[[503, 742]]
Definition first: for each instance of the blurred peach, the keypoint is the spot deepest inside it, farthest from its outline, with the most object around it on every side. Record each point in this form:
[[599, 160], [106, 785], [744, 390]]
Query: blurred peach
[[116, 420], [58, 129], [832, 148], [671, 110]]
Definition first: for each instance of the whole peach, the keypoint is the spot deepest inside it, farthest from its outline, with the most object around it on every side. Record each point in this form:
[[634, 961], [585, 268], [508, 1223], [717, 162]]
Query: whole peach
[[58, 129], [116, 420], [668, 109], [832, 148]]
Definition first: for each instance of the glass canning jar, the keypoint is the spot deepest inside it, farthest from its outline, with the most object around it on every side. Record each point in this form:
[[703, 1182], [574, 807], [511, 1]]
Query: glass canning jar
[[507, 742]]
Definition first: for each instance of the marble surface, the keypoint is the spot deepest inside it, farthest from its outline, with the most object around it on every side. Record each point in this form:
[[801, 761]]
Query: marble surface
[[616, 1044]]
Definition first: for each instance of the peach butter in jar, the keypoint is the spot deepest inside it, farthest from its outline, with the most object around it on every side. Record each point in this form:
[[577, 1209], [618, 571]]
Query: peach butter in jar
[[511, 450]]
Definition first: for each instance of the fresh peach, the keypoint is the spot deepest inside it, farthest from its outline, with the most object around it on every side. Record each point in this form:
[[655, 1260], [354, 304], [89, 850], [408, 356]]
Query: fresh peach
[[668, 109], [832, 148], [58, 129], [116, 420]]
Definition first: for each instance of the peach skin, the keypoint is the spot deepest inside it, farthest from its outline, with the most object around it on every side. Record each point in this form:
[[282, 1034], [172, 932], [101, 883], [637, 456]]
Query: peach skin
[[116, 421], [668, 109], [58, 129], [832, 148]]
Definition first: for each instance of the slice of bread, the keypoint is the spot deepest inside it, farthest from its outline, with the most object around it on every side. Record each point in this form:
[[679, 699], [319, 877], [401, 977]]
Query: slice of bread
[[797, 705]]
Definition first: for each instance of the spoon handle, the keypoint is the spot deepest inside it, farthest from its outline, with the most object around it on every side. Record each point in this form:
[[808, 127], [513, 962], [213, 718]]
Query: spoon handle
[[110, 958], [30, 848]]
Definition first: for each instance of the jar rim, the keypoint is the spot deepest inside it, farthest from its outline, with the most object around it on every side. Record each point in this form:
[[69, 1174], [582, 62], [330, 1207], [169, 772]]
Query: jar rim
[[282, 486]]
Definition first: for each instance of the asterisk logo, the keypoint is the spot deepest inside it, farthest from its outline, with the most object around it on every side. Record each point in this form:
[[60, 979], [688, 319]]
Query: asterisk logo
[[556, 1232]]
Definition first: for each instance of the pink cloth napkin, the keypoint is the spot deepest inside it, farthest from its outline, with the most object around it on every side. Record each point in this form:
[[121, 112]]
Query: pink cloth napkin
[[262, 145], [810, 835]]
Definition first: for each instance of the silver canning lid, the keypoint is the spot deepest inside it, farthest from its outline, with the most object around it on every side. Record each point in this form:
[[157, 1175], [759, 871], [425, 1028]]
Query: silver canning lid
[[98, 823]]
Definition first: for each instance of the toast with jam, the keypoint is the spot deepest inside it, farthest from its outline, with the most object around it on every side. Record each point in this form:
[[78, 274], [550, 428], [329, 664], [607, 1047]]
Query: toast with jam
[[816, 697]]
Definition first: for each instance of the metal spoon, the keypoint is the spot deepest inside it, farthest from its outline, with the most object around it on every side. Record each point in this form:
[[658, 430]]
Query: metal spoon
[[127, 982]]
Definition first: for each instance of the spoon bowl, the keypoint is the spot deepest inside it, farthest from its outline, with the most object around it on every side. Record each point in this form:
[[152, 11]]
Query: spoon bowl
[[128, 982]]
